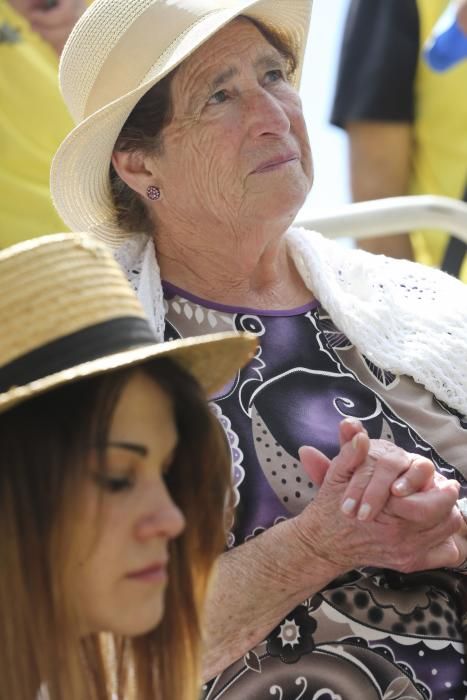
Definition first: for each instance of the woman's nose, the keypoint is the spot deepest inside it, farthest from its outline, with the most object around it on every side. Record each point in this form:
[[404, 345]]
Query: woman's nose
[[162, 517], [267, 114]]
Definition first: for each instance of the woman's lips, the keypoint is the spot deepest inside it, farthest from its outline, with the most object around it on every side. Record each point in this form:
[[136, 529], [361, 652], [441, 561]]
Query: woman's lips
[[274, 163], [153, 572]]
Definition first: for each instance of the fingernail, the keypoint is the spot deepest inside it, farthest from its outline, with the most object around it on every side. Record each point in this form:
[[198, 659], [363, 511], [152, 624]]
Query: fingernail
[[355, 441], [348, 505], [364, 512], [401, 486]]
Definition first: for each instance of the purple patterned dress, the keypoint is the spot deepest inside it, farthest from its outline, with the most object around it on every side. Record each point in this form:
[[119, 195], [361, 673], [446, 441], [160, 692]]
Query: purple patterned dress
[[371, 634]]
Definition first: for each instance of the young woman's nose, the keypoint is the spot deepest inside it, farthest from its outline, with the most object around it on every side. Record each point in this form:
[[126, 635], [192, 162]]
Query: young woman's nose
[[162, 518], [266, 114]]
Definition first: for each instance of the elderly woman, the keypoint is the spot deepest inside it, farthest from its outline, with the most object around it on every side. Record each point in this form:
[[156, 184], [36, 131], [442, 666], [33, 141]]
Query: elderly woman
[[191, 158]]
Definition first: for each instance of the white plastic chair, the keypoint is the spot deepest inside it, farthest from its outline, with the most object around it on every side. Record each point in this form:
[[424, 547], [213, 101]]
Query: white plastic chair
[[393, 215]]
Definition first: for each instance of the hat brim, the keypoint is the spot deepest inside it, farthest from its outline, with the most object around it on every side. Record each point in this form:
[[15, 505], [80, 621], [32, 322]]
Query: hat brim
[[212, 359], [80, 182]]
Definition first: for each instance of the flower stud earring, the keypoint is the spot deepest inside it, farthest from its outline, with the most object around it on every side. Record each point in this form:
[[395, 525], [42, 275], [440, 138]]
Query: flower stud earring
[[153, 192]]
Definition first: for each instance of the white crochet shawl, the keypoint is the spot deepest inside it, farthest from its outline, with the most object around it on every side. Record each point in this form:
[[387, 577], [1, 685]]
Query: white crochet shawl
[[407, 318]]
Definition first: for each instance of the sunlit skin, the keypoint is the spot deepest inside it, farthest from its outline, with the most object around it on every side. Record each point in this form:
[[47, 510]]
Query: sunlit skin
[[234, 111], [119, 565]]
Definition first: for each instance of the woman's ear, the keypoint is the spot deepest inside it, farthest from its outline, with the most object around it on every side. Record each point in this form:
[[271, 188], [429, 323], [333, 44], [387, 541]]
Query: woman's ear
[[135, 169]]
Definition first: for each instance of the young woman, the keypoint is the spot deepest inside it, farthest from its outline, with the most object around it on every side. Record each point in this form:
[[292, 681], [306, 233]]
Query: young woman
[[114, 477]]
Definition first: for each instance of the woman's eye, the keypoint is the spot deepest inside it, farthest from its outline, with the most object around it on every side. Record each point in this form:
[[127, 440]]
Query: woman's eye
[[272, 76], [113, 484], [218, 98]]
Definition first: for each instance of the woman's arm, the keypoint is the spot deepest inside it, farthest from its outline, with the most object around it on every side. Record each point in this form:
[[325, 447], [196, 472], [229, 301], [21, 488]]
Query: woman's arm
[[256, 585]]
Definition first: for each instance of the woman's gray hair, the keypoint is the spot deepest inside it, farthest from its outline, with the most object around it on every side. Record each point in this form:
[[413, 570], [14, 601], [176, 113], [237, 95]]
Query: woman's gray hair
[[143, 132]]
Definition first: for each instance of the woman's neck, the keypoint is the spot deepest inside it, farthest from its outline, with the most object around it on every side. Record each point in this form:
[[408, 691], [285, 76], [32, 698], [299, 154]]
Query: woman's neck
[[261, 277]]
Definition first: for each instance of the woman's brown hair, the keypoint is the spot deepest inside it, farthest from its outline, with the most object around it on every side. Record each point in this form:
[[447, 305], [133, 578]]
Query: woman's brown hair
[[142, 132], [42, 468]]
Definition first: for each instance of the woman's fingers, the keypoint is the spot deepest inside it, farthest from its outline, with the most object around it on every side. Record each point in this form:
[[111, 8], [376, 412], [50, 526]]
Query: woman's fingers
[[443, 555], [388, 470], [348, 428], [427, 508], [315, 463], [451, 553], [372, 471], [431, 548], [351, 456], [370, 486], [418, 477], [410, 534]]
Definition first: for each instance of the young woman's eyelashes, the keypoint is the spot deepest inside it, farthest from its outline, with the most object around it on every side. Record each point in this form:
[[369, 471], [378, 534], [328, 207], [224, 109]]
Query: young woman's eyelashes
[[118, 477], [112, 483]]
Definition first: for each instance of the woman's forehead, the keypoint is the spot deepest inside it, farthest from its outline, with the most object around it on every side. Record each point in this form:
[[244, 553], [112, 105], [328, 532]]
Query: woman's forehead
[[239, 42]]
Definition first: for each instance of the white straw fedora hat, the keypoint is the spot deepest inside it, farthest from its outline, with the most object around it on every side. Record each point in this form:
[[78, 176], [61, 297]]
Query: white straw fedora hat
[[116, 52], [67, 312]]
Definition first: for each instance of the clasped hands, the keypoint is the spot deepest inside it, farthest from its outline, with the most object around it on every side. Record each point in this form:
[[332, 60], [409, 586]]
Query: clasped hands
[[380, 506]]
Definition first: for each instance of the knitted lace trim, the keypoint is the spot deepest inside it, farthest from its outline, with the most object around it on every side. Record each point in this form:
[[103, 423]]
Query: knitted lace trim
[[137, 257]]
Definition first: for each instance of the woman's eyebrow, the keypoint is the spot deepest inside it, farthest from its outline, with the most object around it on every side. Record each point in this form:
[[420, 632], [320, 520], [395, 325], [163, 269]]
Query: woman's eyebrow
[[266, 60], [223, 77], [140, 450], [270, 60]]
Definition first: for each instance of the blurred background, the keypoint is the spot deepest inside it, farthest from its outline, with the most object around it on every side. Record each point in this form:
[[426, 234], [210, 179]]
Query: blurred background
[[329, 144]]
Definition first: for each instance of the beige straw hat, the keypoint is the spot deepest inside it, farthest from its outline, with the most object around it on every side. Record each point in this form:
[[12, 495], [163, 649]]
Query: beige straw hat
[[117, 51], [67, 312]]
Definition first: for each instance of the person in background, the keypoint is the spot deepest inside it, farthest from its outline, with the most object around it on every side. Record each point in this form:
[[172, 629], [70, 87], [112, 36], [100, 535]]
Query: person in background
[[33, 118], [407, 125], [114, 477], [193, 163], [447, 45]]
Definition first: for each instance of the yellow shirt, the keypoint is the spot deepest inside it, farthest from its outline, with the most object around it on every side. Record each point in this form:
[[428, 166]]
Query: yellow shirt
[[33, 122], [440, 132]]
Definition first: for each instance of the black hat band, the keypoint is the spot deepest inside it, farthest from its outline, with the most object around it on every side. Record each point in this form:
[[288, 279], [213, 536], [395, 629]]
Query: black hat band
[[91, 343]]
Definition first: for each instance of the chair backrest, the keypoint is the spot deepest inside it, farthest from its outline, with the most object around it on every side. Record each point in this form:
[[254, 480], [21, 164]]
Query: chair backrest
[[381, 217]]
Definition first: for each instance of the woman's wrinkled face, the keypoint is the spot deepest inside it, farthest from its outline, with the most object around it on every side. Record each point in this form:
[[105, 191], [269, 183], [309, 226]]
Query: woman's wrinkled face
[[119, 567], [237, 146]]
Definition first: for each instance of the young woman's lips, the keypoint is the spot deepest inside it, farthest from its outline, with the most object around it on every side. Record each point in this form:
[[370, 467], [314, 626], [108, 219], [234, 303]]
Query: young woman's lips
[[156, 572], [276, 163]]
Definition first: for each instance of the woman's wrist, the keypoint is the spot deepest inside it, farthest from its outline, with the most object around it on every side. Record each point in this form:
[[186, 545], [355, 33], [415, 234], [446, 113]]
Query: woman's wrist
[[313, 566]]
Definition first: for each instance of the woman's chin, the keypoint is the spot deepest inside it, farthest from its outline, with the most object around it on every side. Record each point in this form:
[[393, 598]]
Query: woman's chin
[[134, 623], [141, 623], [282, 203], [285, 212]]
